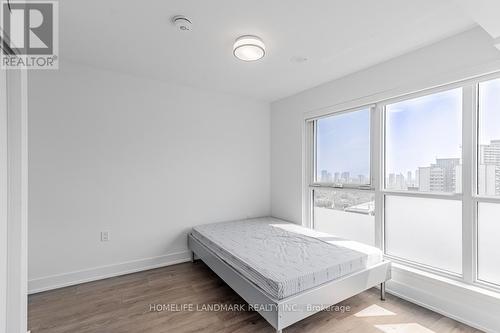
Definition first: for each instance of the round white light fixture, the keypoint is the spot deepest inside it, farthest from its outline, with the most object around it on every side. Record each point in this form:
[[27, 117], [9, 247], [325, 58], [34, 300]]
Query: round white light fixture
[[249, 48]]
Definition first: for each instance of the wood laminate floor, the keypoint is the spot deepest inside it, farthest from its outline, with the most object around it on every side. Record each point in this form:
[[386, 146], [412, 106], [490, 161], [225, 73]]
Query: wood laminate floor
[[123, 305]]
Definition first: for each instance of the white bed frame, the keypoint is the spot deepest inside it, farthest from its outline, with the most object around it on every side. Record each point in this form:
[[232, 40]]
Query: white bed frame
[[285, 312]]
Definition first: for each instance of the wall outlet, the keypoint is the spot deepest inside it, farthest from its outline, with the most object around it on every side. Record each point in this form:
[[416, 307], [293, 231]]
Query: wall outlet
[[104, 236]]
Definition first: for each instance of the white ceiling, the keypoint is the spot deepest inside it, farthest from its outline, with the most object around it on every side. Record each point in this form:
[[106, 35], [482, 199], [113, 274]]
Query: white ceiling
[[337, 36]]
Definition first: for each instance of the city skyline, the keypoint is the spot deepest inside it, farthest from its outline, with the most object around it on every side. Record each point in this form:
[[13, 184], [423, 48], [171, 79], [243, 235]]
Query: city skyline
[[343, 141], [443, 175], [423, 143]]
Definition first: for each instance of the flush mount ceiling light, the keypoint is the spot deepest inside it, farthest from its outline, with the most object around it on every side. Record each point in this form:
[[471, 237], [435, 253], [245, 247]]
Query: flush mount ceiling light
[[249, 48]]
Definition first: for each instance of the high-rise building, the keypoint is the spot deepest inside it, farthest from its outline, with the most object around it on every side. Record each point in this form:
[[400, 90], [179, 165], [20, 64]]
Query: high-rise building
[[336, 177], [391, 182], [490, 154], [424, 181], [497, 181], [437, 179], [442, 176], [346, 176], [489, 168], [487, 179], [409, 179], [326, 177], [458, 178], [400, 182]]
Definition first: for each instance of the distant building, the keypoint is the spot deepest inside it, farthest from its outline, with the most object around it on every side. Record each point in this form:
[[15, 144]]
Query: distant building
[[489, 168], [490, 154], [326, 177], [391, 182], [441, 176], [487, 179], [346, 177], [409, 179], [336, 177], [458, 178], [400, 182], [447, 175], [497, 181], [424, 179]]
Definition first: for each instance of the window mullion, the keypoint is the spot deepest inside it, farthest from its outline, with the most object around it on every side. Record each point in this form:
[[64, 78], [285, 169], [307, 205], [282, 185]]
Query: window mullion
[[469, 132], [309, 175], [377, 158]]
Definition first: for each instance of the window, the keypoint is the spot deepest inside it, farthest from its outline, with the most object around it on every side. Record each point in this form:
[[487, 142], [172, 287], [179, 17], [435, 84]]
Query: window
[[418, 175], [488, 236], [489, 139], [343, 148], [426, 231], [342, 167], [423, 142], [346, 213], [488, 182]]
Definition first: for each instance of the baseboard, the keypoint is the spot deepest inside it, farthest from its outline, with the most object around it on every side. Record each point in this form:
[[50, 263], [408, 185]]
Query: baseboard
[[465, 304], [104, 272]]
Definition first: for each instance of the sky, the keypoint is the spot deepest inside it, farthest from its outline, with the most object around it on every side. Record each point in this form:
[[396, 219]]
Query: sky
[[420, 130], [343, 143], [417, 132], [489, 114]]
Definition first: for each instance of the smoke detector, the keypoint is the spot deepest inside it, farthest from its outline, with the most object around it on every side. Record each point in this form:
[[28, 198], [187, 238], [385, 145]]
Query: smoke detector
[[182, 23]]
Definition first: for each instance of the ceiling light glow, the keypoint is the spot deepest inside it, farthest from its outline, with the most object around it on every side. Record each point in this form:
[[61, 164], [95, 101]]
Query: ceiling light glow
[[249, 48]]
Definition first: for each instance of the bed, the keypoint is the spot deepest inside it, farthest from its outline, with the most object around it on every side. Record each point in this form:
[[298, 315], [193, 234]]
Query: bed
[[284, 271]]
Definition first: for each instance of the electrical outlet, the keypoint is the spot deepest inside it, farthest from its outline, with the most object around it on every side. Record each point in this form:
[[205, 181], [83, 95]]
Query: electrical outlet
[[104, 236]]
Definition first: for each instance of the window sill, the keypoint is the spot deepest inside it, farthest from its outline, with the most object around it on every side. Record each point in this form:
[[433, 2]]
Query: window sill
[[439, 280]]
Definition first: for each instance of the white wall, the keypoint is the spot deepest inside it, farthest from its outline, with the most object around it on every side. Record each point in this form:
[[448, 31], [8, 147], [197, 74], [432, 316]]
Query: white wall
[[13, 201], [141, 159], [462, 56]]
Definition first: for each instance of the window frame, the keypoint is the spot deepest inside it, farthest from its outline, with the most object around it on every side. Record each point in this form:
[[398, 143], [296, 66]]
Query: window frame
[[310, 160], [384, 104], [477, 198], [314, 123], [384, 192], [469, 197]]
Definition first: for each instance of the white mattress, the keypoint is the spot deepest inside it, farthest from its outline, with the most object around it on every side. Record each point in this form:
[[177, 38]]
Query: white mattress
[[284, 258]]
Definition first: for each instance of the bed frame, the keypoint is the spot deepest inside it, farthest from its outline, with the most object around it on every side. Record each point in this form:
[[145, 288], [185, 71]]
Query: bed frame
[[285, 312]]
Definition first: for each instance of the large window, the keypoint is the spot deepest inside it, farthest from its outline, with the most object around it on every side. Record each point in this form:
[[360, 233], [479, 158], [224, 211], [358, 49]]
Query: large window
[[488, 182], [488, 237], [342, 168], [426, 231], [489, 138], [343, 148], [418, 176], [423, 142], [422, 154]]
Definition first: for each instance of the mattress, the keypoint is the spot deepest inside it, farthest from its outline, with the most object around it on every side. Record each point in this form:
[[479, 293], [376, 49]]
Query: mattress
[[283, 258]]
